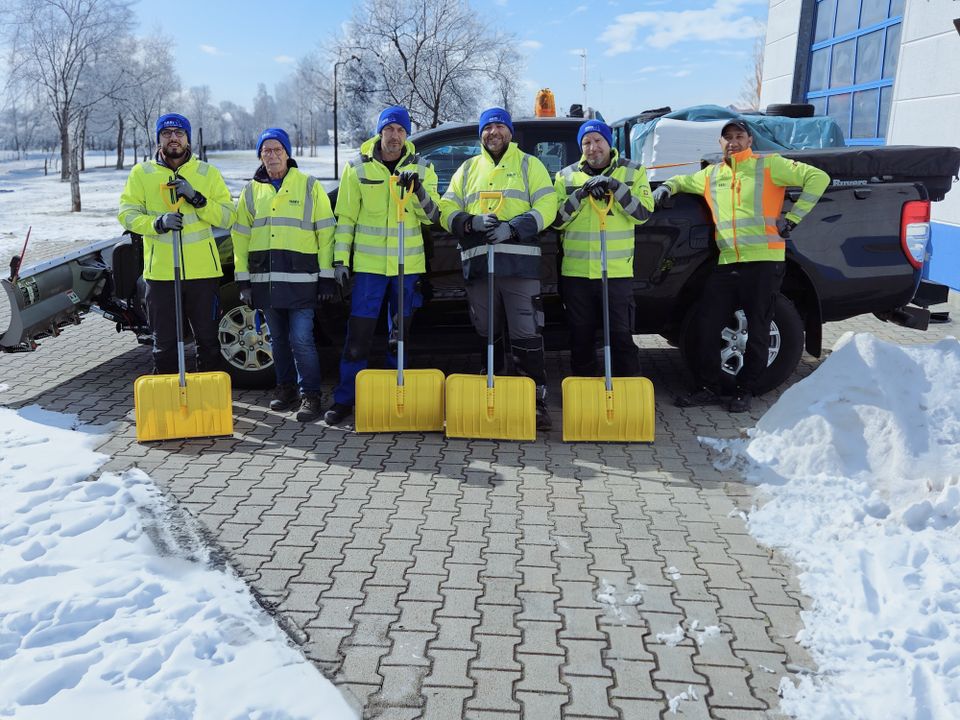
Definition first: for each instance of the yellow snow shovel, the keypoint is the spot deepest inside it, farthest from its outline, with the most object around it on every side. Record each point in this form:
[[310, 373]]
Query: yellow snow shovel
[[405, 400], [607, 409], [500, 408], [185, 405]]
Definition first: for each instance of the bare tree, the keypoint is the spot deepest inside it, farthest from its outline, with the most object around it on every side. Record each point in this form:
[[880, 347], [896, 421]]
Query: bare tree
[[55, 43], [433, 56], [750, 94], [155, 87], [264, 108]]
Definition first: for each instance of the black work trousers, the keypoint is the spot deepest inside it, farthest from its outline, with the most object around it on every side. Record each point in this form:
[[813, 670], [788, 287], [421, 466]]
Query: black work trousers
[[583, 300], [752, 287], [201, 307]]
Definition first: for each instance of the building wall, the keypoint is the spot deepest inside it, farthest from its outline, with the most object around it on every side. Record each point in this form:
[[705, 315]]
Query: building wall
[[780, 51], [926, 111]]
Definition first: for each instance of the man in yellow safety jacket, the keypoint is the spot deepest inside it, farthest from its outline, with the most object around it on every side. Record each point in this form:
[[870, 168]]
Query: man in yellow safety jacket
[[283, 259], [144, 211], [745, 195], [529, 204], [600, 171], [367, 238]]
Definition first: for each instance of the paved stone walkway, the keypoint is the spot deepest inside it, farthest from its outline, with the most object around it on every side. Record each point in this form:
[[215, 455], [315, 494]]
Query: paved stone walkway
[[434, 578]]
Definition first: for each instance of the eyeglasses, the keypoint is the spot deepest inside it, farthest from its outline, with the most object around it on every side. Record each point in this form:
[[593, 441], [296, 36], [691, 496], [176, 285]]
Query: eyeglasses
[[272, 151], [169, 132]]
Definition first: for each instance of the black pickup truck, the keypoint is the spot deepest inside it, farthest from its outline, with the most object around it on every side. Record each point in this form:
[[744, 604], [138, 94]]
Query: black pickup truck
[[860, 251]]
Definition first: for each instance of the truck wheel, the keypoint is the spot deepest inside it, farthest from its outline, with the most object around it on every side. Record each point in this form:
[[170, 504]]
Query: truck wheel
[[791, 110], [786, 344], [245, 348]]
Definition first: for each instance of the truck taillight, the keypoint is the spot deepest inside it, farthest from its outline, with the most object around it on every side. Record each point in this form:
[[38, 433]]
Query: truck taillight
[[915, 230]]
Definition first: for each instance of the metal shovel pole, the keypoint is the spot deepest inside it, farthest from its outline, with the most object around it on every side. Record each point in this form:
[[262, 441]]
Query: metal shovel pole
[[401, 196], [602, 211], [174, 204]]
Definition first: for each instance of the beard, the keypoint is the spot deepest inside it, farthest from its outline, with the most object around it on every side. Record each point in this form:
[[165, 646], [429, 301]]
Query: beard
[[175, 153]]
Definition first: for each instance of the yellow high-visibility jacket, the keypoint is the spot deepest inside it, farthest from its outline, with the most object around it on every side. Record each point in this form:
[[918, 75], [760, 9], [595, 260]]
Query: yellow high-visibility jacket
[[579, 222], [745, 197], [143, 200], [367, 214]]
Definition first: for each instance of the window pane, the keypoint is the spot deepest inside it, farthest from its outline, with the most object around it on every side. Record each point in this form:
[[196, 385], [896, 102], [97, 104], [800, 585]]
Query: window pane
[[891, 51], [869, 48], [838, 107], [886, 96], [841, 73], [447, 158], [825, 13], [819, 105], [896, 8], [872, 12], [865, 114], [848, 12], [552, 155], [819, 66]]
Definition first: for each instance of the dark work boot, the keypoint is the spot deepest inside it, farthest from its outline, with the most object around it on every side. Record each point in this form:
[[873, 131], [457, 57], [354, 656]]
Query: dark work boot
[[544, 422], [309, 408], [284, 397], [337, 413], [701, 397]]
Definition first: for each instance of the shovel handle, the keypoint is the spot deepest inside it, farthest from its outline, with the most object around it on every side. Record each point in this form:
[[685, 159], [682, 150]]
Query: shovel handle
[[602, 210], [174, 202], [399, 197], [488, 196]]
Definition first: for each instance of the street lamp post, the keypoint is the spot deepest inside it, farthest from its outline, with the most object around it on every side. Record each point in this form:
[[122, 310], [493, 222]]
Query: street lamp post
[[336, 126]]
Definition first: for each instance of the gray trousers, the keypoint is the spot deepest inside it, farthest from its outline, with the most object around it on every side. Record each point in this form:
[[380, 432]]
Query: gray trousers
[[517, 298]]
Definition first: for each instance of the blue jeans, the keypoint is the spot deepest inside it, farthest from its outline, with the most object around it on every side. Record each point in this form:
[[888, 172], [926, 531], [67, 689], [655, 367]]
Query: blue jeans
[[295, 358], [369, 291]]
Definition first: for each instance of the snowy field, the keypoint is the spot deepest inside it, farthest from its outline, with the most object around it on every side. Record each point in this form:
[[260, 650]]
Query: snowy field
[[112, 606], [860, 463], [27, 197]]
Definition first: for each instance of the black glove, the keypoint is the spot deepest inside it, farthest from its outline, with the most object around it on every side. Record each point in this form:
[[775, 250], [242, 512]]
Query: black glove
[[483, 223], [410, 179], [326, 288], [184, 189], [246, 296], [596, 186], [661, 194], [499, 233], [167, 222], [341, 275], [785, 227]]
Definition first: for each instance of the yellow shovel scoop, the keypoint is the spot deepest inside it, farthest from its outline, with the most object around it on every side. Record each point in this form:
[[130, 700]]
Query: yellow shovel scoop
[[608, 408], [405, 400], [498, 408], [185, 405]]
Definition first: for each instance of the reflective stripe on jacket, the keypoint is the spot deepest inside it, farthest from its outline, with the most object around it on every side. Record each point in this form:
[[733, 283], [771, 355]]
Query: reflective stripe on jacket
[[580, 224], [527, 191], [745, 197], [142, 202], [283, 239], [367, 214]]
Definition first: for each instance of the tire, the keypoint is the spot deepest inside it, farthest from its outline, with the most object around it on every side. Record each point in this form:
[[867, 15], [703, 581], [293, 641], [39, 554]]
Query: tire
[[245, 346], [791, 110], [786, 345]]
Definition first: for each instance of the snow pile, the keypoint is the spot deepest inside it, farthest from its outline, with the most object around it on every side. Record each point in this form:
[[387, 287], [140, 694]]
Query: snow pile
[[104, 606], [861, 461]]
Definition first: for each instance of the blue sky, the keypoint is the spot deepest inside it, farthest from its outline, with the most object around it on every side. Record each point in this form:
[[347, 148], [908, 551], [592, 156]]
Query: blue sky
[[640, 54]]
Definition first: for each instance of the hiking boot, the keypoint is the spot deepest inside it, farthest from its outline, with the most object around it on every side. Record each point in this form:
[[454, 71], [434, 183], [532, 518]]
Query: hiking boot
[[337, 413], [543, 416], [309, 408], [740, 402], [701, 397], [284, 397]]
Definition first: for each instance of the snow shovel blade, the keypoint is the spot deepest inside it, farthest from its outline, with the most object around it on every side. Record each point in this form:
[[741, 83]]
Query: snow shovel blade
[[385, 406], [166, 411], [590, 413], [507, 411]]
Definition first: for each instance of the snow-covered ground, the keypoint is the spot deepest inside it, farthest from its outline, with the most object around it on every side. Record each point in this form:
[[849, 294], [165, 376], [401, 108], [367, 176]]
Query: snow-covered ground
[[860, 463], [113, 607], [27, 197]]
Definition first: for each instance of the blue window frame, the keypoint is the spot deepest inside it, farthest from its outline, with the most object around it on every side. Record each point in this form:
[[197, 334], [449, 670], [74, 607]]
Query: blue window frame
[[853, 62]]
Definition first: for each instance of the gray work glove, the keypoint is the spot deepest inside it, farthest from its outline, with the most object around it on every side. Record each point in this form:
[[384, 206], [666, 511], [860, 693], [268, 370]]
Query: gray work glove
[[411, 181], [167, 222], [595, 186], [184, 189], [482, 223], [499, 234], [246, 296], [326, 288], [661, 194], [341, 274], [785, 227]]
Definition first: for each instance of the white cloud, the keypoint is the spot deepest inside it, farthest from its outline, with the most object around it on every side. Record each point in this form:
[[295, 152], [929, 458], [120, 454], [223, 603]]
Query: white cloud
[[580, 9], [723, 21], [284, 59], [531, 44], [211, 50]]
